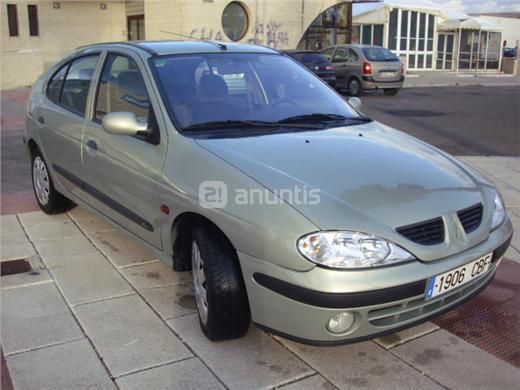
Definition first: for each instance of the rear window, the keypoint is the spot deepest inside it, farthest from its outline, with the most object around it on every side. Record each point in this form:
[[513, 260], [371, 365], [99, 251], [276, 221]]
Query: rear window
[[310, 57], [379, 54]]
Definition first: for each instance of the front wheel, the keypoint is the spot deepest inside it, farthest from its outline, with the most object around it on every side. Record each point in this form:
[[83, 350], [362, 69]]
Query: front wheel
[[391, 91], [49, 200], [219, 287]]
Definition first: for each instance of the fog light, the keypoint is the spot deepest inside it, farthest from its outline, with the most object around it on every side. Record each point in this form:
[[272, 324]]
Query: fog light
[[341, 322]]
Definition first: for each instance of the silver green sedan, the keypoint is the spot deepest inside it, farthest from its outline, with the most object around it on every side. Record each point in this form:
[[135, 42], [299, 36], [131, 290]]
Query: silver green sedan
[[289, 207]]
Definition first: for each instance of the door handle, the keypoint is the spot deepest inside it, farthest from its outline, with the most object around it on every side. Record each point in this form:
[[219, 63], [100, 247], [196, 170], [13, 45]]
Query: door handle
[[92, 144], [41, 119]]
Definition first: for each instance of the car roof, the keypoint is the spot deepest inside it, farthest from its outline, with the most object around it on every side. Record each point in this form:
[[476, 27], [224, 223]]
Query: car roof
[[295, 51], [185, 47], [356, 45]]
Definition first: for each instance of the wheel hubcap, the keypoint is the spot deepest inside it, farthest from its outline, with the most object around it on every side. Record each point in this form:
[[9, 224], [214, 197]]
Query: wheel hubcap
[[41, 181], [199, 282], [354, 87]]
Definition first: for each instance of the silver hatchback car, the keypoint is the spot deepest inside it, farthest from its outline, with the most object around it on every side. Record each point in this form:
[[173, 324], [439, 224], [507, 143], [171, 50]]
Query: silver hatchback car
[[288, 206], [365, 67]]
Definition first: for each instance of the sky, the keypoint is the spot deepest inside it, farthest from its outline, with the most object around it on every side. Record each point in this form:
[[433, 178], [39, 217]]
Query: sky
[[470, 6]]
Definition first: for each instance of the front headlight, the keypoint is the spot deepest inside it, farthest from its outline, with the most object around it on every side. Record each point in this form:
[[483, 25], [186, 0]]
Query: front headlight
[[499, 213], [344, 249]]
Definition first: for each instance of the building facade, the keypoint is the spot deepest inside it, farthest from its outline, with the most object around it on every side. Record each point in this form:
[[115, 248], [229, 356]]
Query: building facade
[[65, 25], [35, 34], [427, 36]]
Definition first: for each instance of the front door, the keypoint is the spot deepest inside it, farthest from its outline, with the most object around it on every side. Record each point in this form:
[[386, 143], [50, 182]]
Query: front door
[[340, 61], [122, 173]]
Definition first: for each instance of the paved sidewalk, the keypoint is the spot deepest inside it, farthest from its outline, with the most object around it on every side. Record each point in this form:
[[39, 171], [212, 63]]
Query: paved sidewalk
[[415, 79], [98, 311]]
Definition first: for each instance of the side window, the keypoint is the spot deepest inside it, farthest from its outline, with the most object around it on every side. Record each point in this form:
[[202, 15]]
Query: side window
[[77, 83], [328, 53], [122, 88], [341, 55], [353, 57], [54, 85]]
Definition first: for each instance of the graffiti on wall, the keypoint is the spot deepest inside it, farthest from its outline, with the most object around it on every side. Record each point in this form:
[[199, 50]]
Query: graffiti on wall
[[269, 34], [209, 34]]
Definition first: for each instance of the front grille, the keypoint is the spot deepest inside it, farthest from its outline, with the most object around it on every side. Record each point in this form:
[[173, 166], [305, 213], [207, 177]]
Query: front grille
[[471, 217], [410, 310], [429, 232]]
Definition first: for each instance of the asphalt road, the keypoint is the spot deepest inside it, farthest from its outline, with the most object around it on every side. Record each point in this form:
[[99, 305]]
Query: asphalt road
[[460, 120]]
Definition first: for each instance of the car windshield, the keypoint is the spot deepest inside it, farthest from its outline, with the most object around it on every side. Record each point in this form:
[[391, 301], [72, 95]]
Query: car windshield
[[379, 54], [242, 87]]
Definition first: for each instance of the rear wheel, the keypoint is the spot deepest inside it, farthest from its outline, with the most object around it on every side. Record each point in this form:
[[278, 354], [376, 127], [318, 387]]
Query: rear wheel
[[49, 200], [354, 87], [391, 91], [219, 288]]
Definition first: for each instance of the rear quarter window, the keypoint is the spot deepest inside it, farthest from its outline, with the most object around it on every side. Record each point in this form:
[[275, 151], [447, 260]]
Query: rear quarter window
[[55, 84]]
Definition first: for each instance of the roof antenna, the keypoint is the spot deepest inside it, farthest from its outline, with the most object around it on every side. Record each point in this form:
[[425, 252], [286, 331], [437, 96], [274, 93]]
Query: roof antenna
[[220, 45]]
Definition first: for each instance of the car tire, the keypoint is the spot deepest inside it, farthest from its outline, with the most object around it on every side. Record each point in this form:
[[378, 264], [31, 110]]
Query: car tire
[[391, 91], [220, 292], [49, 200], [354, 87]]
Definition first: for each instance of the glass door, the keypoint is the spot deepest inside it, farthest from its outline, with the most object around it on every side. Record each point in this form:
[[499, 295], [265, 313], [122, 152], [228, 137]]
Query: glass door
[[445, 52], [135, 27]]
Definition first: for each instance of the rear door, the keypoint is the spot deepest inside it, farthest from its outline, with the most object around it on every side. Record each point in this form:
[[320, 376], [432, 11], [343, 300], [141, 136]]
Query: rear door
[[122, 173], [61, 118]]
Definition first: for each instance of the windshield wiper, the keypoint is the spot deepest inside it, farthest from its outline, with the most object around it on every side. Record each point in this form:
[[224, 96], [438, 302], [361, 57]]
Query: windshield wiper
[[325, 118], [233, 124]]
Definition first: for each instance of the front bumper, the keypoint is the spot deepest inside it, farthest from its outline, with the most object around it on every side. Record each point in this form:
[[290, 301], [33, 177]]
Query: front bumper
[[298, 305]]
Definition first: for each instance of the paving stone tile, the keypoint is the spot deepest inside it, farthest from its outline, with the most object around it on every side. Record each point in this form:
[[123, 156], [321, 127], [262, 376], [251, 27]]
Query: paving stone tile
[[55, 250], [35, 316], [310, 383], [512, 254], [38, 217], [171, 301], [361, 365], [456, 364], [37, 274], [87, 277], [52, 230], [515, 220], [120, 249], [253, 361], [73, 365], [128, 335], [16, 250], [406, 335], [155, 274], [88, 221], [9, 225], [184, 375]]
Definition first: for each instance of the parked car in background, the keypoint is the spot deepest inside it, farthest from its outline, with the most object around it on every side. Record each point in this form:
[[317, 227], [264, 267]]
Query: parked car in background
[[510, 52], [289, 206], [316, 62], [364, 67]]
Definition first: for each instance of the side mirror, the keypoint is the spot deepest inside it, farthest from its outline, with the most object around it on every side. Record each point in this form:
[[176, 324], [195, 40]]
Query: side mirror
[[355, 102], [123, 123]]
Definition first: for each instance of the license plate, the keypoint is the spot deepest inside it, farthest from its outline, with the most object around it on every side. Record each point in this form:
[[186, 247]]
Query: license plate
[[450, 280], [387, 75]]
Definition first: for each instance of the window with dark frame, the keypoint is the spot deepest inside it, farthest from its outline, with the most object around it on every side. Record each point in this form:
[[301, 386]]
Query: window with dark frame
[[12, 20], [32, 11]]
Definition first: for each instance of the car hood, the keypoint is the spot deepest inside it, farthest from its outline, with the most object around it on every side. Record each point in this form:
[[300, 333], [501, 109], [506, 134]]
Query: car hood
[[370, 177]]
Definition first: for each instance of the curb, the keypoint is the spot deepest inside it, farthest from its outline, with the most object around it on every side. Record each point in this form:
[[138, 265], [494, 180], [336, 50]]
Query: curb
[[476, 84]]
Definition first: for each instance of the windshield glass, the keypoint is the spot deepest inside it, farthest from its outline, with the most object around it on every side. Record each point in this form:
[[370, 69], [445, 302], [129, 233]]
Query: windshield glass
[[379, 54], [204, 88]]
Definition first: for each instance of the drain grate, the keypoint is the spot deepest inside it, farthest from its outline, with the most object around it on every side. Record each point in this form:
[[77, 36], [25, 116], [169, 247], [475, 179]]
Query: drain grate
[[13, 267]]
